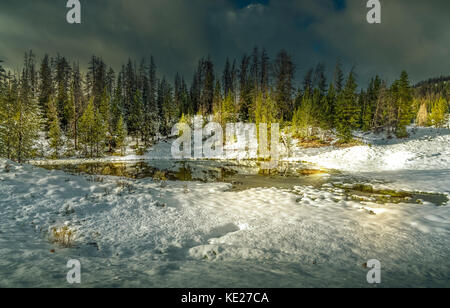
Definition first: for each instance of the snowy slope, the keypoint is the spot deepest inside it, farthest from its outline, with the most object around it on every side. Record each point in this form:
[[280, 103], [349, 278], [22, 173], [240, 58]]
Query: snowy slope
[[421, 162], [142, 233]]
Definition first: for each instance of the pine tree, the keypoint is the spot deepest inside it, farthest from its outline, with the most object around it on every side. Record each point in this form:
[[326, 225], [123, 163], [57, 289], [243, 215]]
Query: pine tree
[[229, 112], [8, 106], [245, 89], [54, 134], [347, 110], [46, 84], [404, 106], [227, 79], [120, 134], [62, 82], [438, 113], [90, 130], [217, 102], [207, 94], [330, 107], [303, 118], [265, 109], [284, 70], [27, 122], [338, 77], [100, 132], [136, 116], [370, 103], [105, 113], [74, 107]]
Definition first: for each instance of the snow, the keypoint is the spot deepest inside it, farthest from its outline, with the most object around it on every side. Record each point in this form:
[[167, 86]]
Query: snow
[[427, 149], [132, 233]]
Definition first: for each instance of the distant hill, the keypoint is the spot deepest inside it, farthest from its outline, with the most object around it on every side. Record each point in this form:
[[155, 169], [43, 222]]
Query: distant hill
[[434, 87]]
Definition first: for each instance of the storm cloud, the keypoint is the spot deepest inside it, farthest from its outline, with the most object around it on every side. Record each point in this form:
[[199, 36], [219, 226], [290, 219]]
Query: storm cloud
[[414, 34]]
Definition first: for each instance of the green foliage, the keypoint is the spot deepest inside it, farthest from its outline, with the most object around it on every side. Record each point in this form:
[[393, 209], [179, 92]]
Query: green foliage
[[347, 110], [55, 134], [229, 112], [20, 120], [92, 131], [97, 111], [438, 115], [265, 110], [404, 106], [304, 117], [120, 134]]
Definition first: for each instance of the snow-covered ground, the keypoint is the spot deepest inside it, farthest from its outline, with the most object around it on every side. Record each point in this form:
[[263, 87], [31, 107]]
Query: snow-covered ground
[[189, 234]]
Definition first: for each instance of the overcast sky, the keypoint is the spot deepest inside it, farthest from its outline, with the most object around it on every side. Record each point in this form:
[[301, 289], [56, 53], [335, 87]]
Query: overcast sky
[[414, 34]]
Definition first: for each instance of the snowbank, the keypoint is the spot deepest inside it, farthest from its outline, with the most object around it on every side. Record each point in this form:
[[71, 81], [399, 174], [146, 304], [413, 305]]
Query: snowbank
[[143, 233]]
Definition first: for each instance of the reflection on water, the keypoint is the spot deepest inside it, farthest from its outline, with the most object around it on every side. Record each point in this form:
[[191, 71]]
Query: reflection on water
[[249, 175], [241, 176]]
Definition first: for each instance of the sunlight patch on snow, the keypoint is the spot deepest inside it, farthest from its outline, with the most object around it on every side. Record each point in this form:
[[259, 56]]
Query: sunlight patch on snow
[[396, 160]]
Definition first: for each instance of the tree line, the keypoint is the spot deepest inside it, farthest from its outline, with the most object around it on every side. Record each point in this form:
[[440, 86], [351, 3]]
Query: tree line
[[91, 113]]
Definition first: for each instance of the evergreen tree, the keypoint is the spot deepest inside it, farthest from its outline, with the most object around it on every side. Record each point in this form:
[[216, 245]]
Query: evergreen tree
[[307, 81], [438, 113], [227, 78], [74, 108], [229, 111], [46, 84], [338, 77], [404, 105], [217, 102], [120, 134], [370, 100], [303, 118], [55, 134], [347, 109], [105, 113], [284, 70], [265, 109], [62, 81], [264, 72], [25, 122], [245, 89], [329, 108], [92, 131], [136, 116]]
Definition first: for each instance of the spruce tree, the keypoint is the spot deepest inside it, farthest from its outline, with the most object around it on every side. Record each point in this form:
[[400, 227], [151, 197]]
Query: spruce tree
[[347, 110], [284, 70], [303, 118], [54, 134], [338, 77], [136, 116], [438, 115], [75, 105], [404, 105], [120, 134], [87, 132], [46, 84], [229, 112]]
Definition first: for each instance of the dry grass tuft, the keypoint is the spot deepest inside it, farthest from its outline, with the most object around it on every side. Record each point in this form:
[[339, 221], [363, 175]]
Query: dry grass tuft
[[62, 236]]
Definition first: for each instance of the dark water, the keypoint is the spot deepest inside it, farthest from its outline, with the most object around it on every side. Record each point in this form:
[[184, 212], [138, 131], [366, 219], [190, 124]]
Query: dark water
[[242, 177], [246, 176]]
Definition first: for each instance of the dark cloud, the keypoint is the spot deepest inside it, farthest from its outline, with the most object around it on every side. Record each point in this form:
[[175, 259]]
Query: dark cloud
[[413, 35]]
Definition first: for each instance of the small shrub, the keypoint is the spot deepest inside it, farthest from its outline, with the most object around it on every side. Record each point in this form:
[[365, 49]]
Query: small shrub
[[62, 236], [160, 175]]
